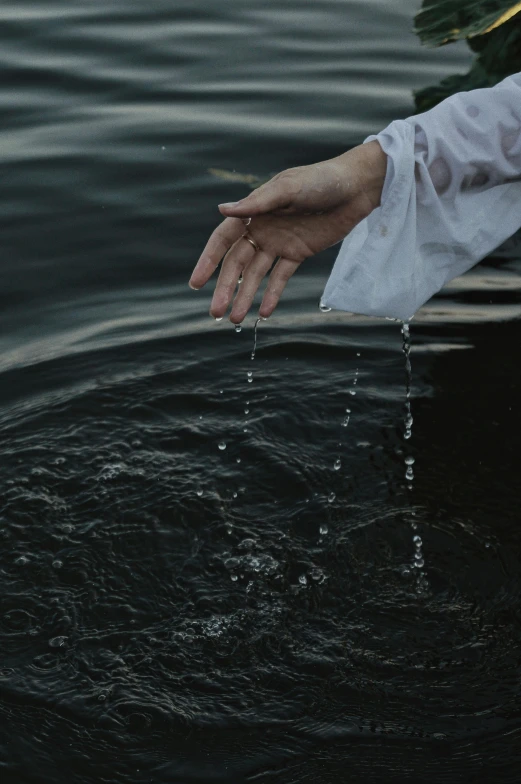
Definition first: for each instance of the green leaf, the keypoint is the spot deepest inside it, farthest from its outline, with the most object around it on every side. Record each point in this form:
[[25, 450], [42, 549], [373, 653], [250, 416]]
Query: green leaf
[[442, 21], [498, 56], [428, 97]]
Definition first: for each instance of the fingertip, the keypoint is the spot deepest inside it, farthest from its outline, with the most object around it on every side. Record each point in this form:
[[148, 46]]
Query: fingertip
[[265, 312], [238, 316], [217, 313], [235, 210]]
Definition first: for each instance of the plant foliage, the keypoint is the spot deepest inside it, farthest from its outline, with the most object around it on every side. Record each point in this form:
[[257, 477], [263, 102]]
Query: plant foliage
[[492, 29]]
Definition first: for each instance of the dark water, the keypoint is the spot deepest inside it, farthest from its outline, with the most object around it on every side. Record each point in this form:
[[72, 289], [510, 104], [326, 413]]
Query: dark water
[[167, 613]]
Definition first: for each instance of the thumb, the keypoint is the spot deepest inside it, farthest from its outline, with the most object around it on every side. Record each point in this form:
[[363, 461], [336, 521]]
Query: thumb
[[273, 195]]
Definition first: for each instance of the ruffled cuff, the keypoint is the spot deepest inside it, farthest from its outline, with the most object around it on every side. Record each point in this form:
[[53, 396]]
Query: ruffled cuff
[[452, 193]]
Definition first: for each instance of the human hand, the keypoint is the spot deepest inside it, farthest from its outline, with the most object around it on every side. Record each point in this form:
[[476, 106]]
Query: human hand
[[298, 213]]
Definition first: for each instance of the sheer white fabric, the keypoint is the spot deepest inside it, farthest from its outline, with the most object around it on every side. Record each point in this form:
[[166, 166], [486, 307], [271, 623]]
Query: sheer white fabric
[[452, 194]]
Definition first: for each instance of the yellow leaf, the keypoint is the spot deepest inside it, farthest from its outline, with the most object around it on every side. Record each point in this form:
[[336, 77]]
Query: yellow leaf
[[503, 18]]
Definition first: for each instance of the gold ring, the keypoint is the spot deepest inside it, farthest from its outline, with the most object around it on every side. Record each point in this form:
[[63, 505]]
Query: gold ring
[[252, 242]]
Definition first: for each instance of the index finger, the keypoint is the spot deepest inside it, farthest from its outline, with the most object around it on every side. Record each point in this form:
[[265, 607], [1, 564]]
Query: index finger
[[219, 243]]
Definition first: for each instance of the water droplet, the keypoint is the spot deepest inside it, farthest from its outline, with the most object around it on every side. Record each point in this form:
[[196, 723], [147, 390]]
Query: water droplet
[[235, 495], [409, 461], [357, 353], [323, 530], [250, 376], [163, 148], [221, 391], [337, 465], [246, 410], [222, 445], [102, 697], [199, 492], [345, 422], [57, 642], [234, 578], [219, 319], [417, 540], [238, 327], [57, 564], [22, 560], [405, 571], [238, 460], [419, 563], [331, 497], [303, 580], [409, 474], [407, 433], [352, 392]]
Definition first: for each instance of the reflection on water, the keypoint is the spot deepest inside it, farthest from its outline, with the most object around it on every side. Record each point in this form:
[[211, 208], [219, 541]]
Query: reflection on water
[[206, 564]]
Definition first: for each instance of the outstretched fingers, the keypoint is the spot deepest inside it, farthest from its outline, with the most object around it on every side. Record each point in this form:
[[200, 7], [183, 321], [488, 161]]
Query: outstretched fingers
[[235, 261], [221, 240], [251, 280], [281, 273]]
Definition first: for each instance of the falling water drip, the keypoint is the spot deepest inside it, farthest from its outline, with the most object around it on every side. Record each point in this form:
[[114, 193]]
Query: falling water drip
[[419, 562], [238, 327], [255, 336], [220, 318], [408, 373], [337, 465], [249, 375]]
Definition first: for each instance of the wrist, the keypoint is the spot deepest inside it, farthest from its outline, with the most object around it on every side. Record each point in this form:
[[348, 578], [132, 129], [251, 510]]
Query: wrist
[[376, 170], [369, 163]]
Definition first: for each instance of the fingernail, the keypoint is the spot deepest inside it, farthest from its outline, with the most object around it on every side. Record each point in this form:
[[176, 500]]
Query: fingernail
[[229, 204], [195, 288]]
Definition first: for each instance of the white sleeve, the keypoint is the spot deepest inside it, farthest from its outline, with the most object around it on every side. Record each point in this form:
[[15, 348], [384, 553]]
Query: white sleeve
[[452, 194]]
